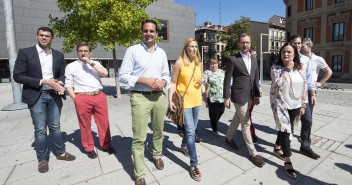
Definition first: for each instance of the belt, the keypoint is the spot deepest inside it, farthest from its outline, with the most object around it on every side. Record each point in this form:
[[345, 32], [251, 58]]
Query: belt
[[93, 93], [48, 91], [146, 92]]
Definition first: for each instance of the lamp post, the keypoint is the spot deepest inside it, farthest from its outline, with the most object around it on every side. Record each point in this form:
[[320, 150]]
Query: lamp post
[[203, 53], [261, 57]]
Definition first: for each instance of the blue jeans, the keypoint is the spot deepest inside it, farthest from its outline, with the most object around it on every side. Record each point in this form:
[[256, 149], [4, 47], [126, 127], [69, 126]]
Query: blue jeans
[[46, 113], [191, 120]]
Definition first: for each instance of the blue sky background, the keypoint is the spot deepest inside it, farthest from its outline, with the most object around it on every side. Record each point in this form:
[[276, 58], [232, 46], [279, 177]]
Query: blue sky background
[[231, 10]]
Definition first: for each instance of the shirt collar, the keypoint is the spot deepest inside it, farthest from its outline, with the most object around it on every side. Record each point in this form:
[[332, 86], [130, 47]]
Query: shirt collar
[[40, 50], [244, 54], [145, 46]]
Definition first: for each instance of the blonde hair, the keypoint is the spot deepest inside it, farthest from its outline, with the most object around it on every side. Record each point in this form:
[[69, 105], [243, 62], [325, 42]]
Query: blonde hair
[[184, 56]]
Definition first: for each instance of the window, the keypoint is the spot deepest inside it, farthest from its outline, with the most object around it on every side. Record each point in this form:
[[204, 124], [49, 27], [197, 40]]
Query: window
[[337, 63], [308, 33], [163, 32], [289, 11], [339, 1], [338, 32], [309, 5]]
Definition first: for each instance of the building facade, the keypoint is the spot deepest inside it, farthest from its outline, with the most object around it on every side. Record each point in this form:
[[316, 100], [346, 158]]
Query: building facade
[[177, 24], [329, 25], [208, 37]]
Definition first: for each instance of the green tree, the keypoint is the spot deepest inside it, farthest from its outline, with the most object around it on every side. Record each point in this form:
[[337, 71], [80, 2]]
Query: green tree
[[105, 22], [231, 38]]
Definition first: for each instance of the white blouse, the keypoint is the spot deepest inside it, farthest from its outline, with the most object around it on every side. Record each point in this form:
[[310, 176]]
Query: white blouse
[[292, 92]]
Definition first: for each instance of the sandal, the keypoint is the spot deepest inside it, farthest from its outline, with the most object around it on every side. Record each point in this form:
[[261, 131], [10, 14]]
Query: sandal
[[276, 152], [289, 170], [195, 173], [184, 150]]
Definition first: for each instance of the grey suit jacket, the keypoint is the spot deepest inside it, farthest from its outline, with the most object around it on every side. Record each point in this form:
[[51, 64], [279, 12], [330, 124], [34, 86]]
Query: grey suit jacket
[[244, 86], [28, 72]]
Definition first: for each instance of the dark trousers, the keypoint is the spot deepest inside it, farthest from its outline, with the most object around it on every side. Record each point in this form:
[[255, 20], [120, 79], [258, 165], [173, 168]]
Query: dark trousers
[[216, 110], [307, 121], [283, 138]]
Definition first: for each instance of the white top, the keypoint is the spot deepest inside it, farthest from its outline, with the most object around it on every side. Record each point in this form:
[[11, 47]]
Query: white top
[[247, 61], [297, 85], [316, 63], [46, 62], [82, 77]]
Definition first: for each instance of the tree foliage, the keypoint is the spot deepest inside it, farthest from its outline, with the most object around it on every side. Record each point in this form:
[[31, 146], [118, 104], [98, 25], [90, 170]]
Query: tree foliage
[[108, 22], [232, 35]]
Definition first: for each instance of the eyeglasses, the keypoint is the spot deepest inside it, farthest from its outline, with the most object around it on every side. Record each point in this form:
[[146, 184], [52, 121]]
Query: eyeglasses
[[243, 43], [83, 51]]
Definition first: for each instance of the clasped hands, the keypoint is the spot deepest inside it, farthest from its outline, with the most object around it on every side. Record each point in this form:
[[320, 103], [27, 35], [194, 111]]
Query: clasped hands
[[57, 85], [156, 84]]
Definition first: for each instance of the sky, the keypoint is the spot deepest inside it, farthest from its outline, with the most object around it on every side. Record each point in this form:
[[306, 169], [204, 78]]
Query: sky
[[231, 10]]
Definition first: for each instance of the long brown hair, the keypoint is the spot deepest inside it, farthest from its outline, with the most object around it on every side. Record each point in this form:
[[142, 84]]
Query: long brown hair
[[296, 60], [184, 56]]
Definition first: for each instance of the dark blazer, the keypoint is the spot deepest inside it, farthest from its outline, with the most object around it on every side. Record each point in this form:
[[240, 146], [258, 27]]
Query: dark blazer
[[244, 86], [28, 72]]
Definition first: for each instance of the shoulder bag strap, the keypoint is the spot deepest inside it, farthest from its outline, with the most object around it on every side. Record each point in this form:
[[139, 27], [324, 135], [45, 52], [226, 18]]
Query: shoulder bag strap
[[194, 69]]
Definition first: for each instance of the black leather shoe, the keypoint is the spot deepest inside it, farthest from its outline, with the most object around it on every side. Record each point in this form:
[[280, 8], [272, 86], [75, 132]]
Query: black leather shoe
[[198, 139], [92, 154], [231, 143], [109, 150]]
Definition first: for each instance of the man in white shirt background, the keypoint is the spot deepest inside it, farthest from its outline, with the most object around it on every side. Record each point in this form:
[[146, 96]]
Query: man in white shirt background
[[83, 85]]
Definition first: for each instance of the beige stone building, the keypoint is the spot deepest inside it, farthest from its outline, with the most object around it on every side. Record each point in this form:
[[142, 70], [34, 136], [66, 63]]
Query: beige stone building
[[329, 24]]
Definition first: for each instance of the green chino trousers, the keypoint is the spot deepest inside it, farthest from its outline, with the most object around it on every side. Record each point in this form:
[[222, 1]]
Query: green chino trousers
[[145, 107]]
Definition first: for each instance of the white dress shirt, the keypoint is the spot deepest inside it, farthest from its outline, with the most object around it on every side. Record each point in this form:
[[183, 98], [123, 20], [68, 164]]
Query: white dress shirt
[[46, 62], [247, 61], [82, 77]]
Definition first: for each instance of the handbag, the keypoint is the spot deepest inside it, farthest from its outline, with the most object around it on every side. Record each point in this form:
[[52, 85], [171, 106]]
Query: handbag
[[177, 116]]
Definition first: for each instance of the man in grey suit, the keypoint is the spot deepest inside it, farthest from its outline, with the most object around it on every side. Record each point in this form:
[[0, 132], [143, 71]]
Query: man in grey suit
[[41, 70], [243, 69]]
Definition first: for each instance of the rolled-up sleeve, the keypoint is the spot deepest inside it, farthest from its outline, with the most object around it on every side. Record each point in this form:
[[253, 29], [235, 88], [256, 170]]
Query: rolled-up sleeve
[[165, 72], [125, 73]]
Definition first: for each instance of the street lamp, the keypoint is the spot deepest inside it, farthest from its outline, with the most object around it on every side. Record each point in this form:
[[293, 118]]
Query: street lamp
[[261, 57], [203, 53]]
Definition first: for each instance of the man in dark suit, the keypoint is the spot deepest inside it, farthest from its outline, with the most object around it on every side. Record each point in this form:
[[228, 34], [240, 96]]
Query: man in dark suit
[[243, 69], [41, 71]]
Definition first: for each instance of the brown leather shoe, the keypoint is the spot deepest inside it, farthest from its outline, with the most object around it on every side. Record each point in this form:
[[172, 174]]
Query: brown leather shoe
[[257, 160], [159, 164], [92, 154], [140, 181], [43, 166], [309, 152], [66, 157]]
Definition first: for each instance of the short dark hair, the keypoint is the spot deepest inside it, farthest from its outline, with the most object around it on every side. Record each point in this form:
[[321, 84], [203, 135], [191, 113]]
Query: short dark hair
[[150, 21], [293, 37], [46, 29], [80, 44], [242, 35]]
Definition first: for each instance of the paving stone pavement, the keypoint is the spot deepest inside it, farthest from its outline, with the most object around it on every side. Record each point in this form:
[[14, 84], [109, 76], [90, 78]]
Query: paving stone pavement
[[331, 138]]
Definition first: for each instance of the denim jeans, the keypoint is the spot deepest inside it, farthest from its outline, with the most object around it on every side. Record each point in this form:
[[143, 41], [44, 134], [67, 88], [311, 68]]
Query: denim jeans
[[46, 113], [307, 121], [191, 120]]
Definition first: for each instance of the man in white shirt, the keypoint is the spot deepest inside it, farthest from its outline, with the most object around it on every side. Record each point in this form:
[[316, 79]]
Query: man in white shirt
[[316, 63], [83, 85]]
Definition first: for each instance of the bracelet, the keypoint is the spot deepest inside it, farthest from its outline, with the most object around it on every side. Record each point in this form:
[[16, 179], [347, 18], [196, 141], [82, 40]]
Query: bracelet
[[92, 64]]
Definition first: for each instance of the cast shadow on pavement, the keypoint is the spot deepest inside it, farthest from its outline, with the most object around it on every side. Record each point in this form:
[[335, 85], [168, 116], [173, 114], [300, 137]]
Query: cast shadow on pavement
[[345, 167], [168, 146]]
